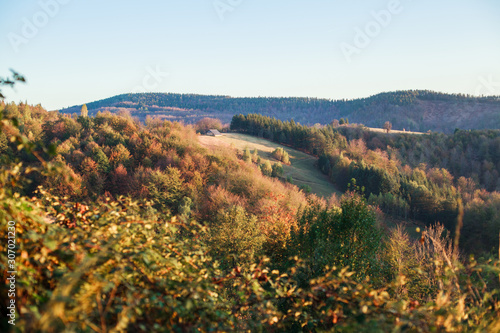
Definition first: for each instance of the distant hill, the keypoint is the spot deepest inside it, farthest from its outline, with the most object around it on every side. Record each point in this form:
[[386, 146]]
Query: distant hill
[[415, 110]]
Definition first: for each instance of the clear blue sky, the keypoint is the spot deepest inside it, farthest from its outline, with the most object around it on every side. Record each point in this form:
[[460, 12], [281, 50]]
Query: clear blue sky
[[89, 50]]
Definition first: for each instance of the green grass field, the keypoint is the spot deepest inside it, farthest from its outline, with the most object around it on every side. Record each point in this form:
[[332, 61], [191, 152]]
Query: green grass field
[[302, 168]]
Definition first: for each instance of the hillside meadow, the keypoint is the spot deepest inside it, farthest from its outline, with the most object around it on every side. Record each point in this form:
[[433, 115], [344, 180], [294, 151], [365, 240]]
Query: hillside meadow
[[302, 169]]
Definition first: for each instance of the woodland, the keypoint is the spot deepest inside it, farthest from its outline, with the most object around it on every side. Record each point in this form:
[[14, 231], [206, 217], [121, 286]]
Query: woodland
[[126, 225], [412, 110]]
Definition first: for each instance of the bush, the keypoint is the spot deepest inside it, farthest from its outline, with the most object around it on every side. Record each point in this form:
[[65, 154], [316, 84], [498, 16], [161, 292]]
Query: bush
[[345, 237], [165, 189], [266, 168], [235, 238], [247, 157], [281, 155], [277, 170], [305, 188]]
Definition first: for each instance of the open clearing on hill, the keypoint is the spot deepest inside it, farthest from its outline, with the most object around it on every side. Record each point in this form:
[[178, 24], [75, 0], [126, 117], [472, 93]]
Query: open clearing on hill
[[302, 168], [381, 130]]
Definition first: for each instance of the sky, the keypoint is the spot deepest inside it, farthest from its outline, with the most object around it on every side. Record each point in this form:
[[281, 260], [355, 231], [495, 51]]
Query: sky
[[73, 52]]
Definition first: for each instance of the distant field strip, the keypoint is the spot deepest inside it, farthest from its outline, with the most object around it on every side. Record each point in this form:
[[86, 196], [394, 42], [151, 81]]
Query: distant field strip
[[381, 130], [302, 168]]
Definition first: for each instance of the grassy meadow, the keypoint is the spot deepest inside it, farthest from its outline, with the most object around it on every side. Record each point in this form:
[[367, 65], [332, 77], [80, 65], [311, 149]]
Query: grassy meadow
[[302, 168]]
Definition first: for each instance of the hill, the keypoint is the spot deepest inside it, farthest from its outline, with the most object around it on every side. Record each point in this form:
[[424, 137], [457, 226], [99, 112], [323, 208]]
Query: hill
[[302, 168], [116, 225], [414, 110]]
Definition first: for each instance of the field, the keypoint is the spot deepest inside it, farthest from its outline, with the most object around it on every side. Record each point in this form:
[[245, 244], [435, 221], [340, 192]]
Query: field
[[302, 168], [381, 130]]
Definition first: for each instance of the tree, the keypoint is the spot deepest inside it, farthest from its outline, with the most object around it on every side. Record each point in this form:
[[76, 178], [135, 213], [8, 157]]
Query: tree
[[281, 155], [84, 112], [255, 155], [247, 157], [4, 143], [266, 168], [120, 155], [26, 112], [388, 126], [277, 170], [206, 124], [101, 159], [339, 237], [166, 188], [286, 158]]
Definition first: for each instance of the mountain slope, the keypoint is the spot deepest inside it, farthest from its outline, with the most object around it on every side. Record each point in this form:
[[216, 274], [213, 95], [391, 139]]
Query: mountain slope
[[411, 110]]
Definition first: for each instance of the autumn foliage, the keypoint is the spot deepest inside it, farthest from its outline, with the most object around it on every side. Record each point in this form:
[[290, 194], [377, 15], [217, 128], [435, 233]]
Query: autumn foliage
[[123, 226]]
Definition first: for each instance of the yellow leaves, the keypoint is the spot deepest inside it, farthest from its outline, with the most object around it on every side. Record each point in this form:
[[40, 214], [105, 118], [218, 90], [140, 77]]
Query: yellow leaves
[[291, 291], [113, 229]]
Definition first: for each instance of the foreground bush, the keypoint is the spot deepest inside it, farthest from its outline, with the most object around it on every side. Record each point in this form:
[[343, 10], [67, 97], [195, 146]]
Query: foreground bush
[[112, 269]]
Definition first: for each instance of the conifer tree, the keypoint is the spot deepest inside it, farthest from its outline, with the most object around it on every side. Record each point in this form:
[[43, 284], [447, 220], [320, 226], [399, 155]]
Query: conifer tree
[[84, 111]]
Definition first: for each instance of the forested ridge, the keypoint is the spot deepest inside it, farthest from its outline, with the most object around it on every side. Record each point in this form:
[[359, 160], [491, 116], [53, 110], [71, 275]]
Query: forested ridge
[[405, 175], [414, 110], [124, 225]]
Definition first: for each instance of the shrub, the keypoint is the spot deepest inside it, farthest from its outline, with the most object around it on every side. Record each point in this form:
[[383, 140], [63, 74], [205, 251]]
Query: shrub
[[247, 157], [281, 155], [266, 168], [345, 237], [277, 170], [305, 188], [165, 188], [235, 238]]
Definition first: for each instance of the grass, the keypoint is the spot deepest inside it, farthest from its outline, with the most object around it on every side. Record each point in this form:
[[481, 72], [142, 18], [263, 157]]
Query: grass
[[381, 130], [302, 168]]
